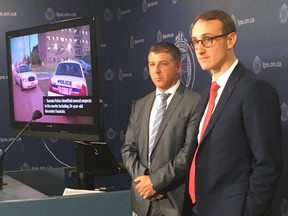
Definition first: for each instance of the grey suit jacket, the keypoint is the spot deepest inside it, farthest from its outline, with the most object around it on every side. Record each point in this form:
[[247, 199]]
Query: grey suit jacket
[[169, 157]]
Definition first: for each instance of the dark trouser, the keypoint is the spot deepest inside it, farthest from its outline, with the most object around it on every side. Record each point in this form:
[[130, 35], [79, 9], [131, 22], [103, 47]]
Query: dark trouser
[[154, 209], [194, 211]]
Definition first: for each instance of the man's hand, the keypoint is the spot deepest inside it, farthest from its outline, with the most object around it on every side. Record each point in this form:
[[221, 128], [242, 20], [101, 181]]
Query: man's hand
[[144, 187], [156, 197]]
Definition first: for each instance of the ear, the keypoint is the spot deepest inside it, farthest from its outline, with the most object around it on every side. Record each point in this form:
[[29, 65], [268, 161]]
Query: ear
[[232, 37]]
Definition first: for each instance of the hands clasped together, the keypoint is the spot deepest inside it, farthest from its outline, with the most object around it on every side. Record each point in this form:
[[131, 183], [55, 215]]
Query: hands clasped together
[[145, 188]]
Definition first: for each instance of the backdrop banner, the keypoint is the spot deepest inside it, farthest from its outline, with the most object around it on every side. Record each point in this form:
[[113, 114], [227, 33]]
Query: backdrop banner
[[126, 31]]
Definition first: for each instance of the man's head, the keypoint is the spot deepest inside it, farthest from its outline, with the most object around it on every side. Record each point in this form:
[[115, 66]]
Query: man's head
[[164, 61], [227, 21], [213, 39]]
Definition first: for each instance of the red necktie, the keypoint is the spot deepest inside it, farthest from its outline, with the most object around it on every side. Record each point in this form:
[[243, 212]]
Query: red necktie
[[213, 93]]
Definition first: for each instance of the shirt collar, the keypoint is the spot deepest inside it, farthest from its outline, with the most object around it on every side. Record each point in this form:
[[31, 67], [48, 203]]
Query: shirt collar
[[225, 76], [171, 90]]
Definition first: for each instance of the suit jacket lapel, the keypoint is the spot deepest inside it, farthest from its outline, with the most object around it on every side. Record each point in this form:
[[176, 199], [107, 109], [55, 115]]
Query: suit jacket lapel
[[168, 113], [145, 123], [227, 91]]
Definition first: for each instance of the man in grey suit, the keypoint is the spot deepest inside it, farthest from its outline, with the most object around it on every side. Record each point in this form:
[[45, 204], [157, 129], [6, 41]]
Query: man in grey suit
[[158, 171]]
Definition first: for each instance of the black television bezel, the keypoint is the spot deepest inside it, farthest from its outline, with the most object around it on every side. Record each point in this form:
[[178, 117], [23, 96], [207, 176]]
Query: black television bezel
[[93, 132]]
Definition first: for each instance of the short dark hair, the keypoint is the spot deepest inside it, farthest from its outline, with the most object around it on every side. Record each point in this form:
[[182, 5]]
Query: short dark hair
[[161, 47], [228, 23]]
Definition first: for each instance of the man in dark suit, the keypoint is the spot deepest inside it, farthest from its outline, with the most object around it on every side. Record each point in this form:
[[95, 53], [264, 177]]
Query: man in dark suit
[[237, 160], [158, 174]]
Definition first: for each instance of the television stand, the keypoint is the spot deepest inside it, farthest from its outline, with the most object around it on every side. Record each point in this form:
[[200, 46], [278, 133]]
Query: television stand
[[94, 159]]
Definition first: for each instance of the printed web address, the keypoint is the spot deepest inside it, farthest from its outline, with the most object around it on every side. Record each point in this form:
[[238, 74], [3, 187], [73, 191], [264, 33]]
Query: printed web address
[[9, 139], [271, 64]]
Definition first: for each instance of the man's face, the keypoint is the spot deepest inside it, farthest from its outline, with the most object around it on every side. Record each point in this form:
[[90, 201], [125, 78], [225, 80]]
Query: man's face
[[164, 71], [215, 57]]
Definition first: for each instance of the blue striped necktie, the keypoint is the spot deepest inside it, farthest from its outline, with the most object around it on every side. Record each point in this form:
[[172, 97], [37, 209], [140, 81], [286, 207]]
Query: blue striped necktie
[[159, 115]]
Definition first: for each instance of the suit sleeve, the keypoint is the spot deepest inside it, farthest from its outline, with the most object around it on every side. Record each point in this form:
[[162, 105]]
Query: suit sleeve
[[262, 124], [130, 151]]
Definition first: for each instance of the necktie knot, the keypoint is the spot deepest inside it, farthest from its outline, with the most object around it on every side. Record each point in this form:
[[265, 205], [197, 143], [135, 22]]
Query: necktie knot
[[164, 96], [214, 86]]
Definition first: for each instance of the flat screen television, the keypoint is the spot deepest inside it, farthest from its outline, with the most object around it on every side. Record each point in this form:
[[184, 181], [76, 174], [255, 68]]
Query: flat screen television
[[54, 68]]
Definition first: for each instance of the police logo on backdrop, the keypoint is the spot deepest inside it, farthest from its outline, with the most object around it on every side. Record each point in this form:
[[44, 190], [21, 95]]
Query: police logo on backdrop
[[283, 14], [107, 15], [234, 19], [50, 14], [174, 1], [284, 112], [123, 75], [132, 42], [109, 75], [110, 134], [53, 140], [257, 65], [121, 13], [145, 73], [122, 136], [25, 166], [120, 75], [159, 36], [245, 21], [187, 75], [144, 6]]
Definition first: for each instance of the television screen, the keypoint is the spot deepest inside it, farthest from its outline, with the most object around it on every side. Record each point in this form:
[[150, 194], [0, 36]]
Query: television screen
[[53, 68]]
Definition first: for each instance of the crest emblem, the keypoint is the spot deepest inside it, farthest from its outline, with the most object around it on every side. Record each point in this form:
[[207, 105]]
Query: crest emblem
[[283, 14], [187, 75], [145, 73], [257, 65], [109, 75], [110, 134], [159, 36], [132, 42], [107, 15], [122, 136], [50, 14], [120, 75], [144, 6], [234, 19], [284, 112]]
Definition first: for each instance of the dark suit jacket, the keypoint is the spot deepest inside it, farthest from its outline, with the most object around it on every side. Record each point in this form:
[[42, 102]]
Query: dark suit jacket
[[169, 157], [239, 158]]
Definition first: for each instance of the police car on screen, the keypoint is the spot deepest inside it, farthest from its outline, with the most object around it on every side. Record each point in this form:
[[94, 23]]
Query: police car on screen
[[69, 80]]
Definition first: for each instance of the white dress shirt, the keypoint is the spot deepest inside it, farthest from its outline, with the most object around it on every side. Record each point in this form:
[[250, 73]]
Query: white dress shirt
[[157, 101], [221, 82]]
